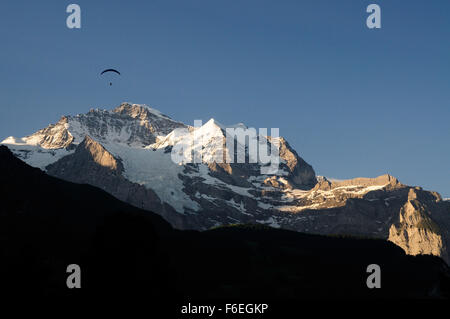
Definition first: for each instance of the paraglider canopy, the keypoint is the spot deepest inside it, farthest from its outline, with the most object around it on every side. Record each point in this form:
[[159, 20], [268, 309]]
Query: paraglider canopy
[[110, 70]]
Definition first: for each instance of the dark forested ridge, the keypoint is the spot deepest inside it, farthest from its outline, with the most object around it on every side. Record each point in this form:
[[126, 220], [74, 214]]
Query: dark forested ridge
[[47, 224]]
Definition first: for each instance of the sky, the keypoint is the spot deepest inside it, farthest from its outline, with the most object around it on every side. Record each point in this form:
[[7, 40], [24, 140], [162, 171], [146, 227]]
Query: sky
[[352, 101]]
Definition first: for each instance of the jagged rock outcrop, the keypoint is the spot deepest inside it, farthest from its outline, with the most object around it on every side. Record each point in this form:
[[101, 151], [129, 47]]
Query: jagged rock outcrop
[[383, 180], [55, 136], [301, 174], [415, 231]]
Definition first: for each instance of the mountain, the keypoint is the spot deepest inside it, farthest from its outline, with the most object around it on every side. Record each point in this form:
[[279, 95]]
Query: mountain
[[128, 152], [127, 253]]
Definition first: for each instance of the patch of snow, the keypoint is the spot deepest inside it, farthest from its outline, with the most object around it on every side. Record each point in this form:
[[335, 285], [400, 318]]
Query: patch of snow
[[208, 179], [296, 209], [370, 189], [270, 222], [264, 205], [77, 131], [12, 140], [37, 156], [154, 170], [239, 206]]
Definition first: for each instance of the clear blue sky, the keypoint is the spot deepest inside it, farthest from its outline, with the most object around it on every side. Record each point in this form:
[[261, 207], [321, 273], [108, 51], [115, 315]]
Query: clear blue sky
[[352, 101]]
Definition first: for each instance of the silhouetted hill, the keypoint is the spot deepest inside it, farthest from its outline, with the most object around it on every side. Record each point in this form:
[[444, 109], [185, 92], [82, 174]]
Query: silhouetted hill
[[47, 224]]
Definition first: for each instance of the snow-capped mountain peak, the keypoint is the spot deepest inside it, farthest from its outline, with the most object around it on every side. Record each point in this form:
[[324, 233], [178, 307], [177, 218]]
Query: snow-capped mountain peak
[[143, 140], [128, 152], [131, 124]]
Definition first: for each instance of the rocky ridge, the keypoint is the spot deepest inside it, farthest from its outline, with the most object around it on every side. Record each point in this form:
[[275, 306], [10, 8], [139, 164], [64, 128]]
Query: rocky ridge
[[127, 152]]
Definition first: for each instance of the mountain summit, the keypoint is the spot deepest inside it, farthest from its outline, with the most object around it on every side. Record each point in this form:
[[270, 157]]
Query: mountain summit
[[127, 152]]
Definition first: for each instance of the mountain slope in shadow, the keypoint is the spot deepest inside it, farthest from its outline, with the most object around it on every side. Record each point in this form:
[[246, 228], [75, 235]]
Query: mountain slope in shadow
[[47, 224]]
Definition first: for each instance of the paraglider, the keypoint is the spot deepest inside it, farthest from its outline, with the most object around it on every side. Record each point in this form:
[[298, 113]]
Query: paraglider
[[110, 70]]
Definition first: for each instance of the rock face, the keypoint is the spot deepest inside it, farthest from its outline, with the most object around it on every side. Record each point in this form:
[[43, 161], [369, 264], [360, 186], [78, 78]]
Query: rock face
[[415, 231], [415, 220], [301, 174], [128, 153]]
